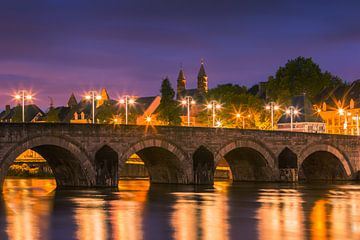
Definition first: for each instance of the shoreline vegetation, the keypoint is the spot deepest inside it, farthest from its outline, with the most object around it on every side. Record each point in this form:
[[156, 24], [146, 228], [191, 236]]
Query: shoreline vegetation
[[24, 170]]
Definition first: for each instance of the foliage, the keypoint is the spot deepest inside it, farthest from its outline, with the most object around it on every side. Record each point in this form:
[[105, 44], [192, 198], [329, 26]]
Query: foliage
[[299, 76], [52, 115], [235, 99], [105, 112], [168, 111], [25, 170]]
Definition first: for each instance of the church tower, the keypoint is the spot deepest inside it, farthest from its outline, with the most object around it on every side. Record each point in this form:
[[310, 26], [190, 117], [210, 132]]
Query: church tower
[[202, 80], [181, 84]]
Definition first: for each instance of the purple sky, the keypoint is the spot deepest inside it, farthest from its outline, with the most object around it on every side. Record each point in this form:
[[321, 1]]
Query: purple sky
[[57, 47]]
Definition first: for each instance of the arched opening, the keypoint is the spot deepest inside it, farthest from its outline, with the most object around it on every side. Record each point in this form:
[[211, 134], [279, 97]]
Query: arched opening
[[163, 161], [203, 166], [163, 166], [134, 168], [287, 159], [288, 166], [47, 161], [106, 166], [322, 165], [247, 164]]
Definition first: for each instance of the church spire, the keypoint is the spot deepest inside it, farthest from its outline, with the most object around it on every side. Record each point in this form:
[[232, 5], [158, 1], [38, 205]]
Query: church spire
[[181, 83], [202, 79]]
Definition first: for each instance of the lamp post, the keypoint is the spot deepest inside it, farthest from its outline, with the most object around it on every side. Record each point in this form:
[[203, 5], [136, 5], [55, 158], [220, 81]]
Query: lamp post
[[272, 106], [213, 105], [238, 116], [93, 95], [23, 95], [292, 111], [187, 101], [344, 113], [126, 100]]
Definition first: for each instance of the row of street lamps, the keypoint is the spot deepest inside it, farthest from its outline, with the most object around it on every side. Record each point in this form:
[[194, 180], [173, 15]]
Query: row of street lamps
[[187, 101]]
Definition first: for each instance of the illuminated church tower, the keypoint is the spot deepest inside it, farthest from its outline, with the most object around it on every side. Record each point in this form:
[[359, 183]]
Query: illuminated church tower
[[181, 83], [202, 84]]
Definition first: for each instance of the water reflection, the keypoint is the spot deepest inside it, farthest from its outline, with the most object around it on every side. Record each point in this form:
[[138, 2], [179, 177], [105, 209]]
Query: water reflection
[[28, 204], [31, 209], [280, 214]]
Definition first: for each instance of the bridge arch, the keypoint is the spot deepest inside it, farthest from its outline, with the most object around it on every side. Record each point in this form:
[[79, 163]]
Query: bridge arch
[[249, 160], [165, 161], [69, 162], [323, 162], [203, 166]]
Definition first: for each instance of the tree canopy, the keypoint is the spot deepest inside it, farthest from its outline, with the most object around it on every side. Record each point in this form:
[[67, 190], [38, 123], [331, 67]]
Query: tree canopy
[[168, 111], [299, 76]]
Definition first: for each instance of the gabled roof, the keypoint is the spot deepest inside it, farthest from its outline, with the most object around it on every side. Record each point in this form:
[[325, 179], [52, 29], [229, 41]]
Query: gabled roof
[[305, 107], [31, 111]]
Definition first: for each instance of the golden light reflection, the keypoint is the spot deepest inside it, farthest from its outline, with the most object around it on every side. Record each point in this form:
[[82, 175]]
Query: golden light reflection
[[28, 205], [126, 215], [90, 218], [201, 215], [338, 216], [281, 214]]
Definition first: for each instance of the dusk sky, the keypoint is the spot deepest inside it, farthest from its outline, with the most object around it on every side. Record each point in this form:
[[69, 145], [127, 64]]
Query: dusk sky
[[58, 47]]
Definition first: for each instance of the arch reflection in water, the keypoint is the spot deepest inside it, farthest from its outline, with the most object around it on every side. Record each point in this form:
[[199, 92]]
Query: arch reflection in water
[[280, 215], [28, 205]]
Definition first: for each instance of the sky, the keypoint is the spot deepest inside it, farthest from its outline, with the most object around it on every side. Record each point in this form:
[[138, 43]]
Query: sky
[[58, 47]]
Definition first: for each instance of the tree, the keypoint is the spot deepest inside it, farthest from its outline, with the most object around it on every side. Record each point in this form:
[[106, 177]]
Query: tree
[[299, 76], [235, 99], [169, 110], [52, 115]]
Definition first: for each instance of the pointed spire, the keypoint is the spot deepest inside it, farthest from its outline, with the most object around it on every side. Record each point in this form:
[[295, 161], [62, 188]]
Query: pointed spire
[[104, 97], [181, 83], [181, 75], [202, 72], [72, 101], [202, 79]]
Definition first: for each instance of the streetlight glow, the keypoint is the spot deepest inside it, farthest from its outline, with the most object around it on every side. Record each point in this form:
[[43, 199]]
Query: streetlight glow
[[21, 96], [148, 119], [292, 111], [93, 95], [213, 105], [126, 100], [272, 106], [187, 101]]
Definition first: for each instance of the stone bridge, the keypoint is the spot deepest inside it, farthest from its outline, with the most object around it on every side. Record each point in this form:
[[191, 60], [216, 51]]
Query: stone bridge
[[85, 155]]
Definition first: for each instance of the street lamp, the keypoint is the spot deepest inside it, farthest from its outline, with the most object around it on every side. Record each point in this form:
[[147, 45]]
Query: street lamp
[[93, 95], [238, 116], [213, 105], [126, 100], [23, 95], [188, 100], [344, 113], [292, 111], [272, 106]]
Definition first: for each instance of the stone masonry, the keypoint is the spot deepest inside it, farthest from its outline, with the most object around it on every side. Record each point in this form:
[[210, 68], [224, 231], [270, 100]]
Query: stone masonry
[[85, 155]]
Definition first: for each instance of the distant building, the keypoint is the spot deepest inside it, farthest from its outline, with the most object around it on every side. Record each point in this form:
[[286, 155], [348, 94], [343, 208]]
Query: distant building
[[339, 106], [307, 120], [198, 94], [32, 113]]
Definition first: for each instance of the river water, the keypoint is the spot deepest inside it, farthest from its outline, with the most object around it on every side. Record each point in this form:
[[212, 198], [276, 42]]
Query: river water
[[32, 209]]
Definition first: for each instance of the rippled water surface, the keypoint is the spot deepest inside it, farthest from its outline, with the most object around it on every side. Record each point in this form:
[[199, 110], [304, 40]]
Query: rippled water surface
[[32, 209]]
